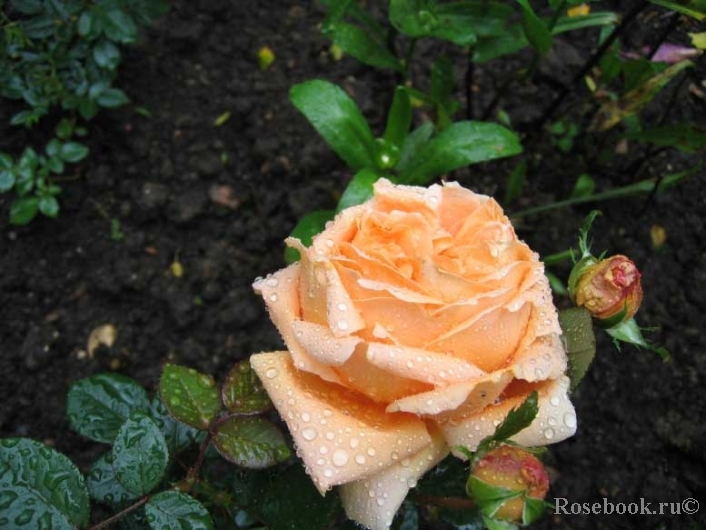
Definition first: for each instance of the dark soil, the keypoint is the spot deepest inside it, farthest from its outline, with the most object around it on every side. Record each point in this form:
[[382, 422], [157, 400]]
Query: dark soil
[[220, 199]]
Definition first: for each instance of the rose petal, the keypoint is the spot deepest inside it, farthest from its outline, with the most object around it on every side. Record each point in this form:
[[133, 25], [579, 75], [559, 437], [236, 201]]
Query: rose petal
[[389, 197], [374, 501], [322, 345], [461, 398], [543, 359], [555, 421], [379, 385], [341, 436], [422, 365], [281, 293], [457, 204]]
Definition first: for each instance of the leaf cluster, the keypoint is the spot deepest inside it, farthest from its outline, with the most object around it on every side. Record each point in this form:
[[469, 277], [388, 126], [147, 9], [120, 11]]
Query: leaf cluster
[[60, 55]]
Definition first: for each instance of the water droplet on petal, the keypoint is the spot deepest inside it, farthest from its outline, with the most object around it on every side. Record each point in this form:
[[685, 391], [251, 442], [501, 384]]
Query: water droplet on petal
[[359, 459], [306, 417], [273, 297], [342, 325], [554, 401], [339, 458], [271, 373], [271, 282], [309, 433], [354, 443], [570, 420], [549, 433]]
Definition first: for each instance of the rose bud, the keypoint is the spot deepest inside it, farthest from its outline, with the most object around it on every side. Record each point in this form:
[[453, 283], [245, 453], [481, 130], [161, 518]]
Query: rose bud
[[610, 290], [514, 474]]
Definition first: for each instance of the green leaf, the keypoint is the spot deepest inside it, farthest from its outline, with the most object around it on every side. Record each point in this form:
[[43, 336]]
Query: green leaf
[[39, 27], [111, 98], [140, 454], [64, 129], [516, 182], [399, 118], [535, 30], [49, 206], [579, 342], [518, 419], [98, 405], [6, 161], [173, 509], [103, 485], [178, 435], [85, 23], [27, 7], [287, 500], [40, 488], [337, 118], [73, 152], [613, 112], [119, 26], [455, 22], [253, 443], [362, 45], [242, 390], [533, 510], [683, 136], [7, 180], [23, 210], [413, 143], [693, 8], [307, 227], [461, 144], [190, 396], [442, 80], [584, 186], [359, 189], [106, 54]]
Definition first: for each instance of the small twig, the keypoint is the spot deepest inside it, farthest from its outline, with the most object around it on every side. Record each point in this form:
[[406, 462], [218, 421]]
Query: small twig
[[120, 515]]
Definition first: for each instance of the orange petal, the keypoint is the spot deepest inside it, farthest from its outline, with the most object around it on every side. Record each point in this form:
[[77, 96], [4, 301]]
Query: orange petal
[[543, 359], [281, 293], [340, 435], [457, 204], [379, 385], [374, 501], [322, 345], [555, 421], [461, 398], [422, 365], [390, 197]]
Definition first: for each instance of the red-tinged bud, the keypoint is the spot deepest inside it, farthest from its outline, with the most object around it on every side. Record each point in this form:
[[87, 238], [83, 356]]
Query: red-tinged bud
[[610, 290], [516, 470]]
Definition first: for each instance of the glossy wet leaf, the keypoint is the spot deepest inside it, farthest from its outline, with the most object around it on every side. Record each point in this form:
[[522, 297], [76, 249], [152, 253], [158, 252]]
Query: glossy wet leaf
[[190, 396], [399, 118], [176, 510], [178, 435], [338, 120], [489, 498], [305, 230], [362, 45], [413, 143], [40, 488], [140, 454], [250, 442], [98, 405], [242, 390], [73, 152], [103, 485], [359, 189], [535, 30], [461, 144], [286, 500], [23, 210], [112, 98], [579, 342]]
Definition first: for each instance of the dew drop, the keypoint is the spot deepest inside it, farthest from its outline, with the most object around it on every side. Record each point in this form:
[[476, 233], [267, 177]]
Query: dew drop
[[405, 462], [380, 501], [549, 433], [339, 458], [554, 401], [271, 282], [271, 373], [570, 420], [330, 435], [551, 421], [309, 433], [328, 473], [342, 325], [323, 449], [273, 297], [359, 459], [371, 451], [328, 413], [320, 462], [306, 417], [354, 443], [342, 307]]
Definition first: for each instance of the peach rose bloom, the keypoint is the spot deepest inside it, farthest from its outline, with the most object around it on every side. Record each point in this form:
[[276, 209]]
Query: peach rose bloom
[[414, 323]]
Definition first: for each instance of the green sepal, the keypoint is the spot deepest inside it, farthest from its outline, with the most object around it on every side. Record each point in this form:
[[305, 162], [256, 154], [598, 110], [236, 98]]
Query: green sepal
[[533, 510], [489, 498], [631, 333]]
